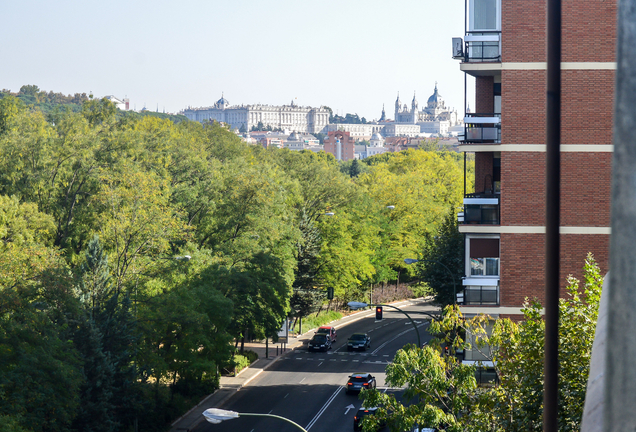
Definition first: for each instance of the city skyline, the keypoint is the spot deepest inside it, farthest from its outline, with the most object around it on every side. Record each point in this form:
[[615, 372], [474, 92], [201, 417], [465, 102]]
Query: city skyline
[[353, 57]]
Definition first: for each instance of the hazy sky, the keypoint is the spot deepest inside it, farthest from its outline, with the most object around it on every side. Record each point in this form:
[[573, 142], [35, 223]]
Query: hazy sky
[[350, 55]]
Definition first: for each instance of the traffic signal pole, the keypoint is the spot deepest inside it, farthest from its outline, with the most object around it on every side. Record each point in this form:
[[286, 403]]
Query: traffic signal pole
[[419, 343]]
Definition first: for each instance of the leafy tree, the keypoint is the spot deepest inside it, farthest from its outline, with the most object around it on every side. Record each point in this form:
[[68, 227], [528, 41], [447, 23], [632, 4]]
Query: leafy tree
[[308, 290], [39, 366], [442, 261], [96, 411], [442, 393], [98, 111], [10, 106], [354, 170]]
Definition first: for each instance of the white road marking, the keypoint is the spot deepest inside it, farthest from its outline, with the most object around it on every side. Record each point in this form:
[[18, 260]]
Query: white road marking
[[324, 407], [320, 363]]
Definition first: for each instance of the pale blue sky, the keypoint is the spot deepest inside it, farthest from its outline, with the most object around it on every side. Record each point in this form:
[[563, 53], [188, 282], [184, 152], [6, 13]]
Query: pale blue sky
[[351, 55]]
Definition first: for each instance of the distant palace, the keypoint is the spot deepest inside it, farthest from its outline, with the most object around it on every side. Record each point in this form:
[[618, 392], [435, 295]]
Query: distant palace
[[435, 119], [291, 117]]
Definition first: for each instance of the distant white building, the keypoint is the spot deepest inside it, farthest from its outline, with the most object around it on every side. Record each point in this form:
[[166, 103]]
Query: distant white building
[[434, 118], [397, 129], [122, 104], [244, 117], [376, 146], [357, 131]]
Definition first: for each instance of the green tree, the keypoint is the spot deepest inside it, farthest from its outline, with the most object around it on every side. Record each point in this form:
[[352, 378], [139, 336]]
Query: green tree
[[443, 391], [442, 261], [40, 369], [308, 288]]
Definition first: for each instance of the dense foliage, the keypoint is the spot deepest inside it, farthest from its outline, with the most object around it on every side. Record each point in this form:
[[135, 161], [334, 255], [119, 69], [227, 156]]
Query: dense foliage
[[441, 392], [137, 252]]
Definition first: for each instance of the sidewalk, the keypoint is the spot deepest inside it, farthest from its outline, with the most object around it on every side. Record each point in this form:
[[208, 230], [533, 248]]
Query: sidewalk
[[229, 385]]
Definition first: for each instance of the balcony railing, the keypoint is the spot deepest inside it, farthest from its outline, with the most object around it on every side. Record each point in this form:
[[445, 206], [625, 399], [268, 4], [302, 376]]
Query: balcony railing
[[481, 295], [481, 210], [482, 128], [482, 47]]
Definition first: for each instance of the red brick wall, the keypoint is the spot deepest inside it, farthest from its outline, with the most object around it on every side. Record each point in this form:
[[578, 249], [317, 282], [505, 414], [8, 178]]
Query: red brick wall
[[523, 106], [523, 31], [483, 167], [484, 95], [585, 189], [522, 188], [587, 106], [523, 263], [589, 30], [347, 144]]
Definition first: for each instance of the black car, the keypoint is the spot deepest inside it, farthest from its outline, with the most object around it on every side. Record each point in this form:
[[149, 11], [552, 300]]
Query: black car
[[320, 342], [360, 381], [359, 341], [362, 413]]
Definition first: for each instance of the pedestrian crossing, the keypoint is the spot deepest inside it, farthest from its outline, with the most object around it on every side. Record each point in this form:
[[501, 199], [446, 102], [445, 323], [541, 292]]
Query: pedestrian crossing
[[340, 356]]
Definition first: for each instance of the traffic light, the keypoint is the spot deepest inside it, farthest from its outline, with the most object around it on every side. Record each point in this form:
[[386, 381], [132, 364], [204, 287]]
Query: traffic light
[[378, 313], [330, 293]]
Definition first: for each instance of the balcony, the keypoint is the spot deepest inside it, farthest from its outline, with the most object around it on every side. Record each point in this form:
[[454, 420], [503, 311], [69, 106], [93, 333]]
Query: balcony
[[482, 209], [482, 128], [481, 291], [481, 47]]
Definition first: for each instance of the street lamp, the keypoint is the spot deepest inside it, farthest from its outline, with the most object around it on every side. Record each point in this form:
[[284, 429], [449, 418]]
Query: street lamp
[[413, 261], [359, 305], [216, 416]]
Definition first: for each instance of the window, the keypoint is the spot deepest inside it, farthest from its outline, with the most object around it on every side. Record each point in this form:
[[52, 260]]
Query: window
[[484, 15], [483, 256]]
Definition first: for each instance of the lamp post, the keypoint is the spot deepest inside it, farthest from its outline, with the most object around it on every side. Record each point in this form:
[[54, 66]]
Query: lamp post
[[413, 261], [359, 305], [216, 416]]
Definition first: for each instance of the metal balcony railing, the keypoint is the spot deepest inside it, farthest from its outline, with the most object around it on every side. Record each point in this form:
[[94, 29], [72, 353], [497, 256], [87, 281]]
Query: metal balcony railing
[[482, 47], [481, 295], [482, 128], [481, 210]]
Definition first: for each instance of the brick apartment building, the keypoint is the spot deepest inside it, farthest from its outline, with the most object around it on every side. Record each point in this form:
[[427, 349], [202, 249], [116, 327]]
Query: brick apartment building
[[504, 48], [340, 144]]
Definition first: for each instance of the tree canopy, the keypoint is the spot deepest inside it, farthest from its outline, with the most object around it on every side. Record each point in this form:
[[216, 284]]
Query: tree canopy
[[441, 392], [139, 250]]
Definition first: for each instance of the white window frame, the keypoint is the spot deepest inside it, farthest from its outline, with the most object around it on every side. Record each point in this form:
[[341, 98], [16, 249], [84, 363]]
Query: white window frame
[[467, 269], [471, 17]]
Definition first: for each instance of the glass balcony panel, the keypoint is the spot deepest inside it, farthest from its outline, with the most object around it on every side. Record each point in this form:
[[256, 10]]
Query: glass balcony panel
[[478, 295], [484, 214], [482, 47]]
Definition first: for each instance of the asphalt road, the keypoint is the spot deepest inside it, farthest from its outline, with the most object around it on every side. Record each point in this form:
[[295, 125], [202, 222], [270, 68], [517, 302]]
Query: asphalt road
[[308, 387]]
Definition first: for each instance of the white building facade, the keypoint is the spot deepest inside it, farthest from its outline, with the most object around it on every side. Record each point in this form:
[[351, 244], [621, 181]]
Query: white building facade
[[291, 117], [434, 118]]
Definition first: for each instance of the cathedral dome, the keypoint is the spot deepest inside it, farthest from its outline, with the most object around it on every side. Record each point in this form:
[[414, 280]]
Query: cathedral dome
[[435, 99], [376, 137], [222, 102], [293, 137]]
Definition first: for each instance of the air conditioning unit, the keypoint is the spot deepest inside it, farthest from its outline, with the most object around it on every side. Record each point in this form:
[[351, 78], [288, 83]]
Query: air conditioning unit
[[458, 48]]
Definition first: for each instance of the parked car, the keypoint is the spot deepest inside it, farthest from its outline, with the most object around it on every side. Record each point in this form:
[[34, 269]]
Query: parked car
[[320, 342], [329, 331], [361, 414], [359, 381], [359, 341]]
